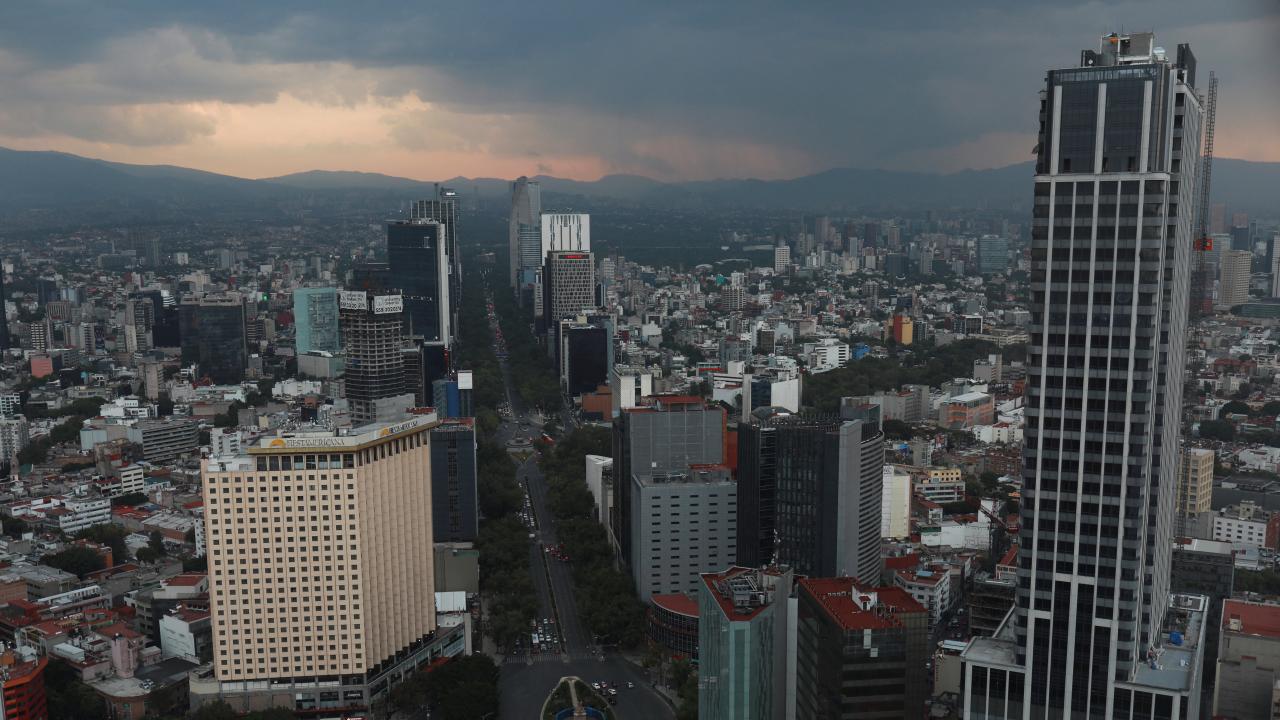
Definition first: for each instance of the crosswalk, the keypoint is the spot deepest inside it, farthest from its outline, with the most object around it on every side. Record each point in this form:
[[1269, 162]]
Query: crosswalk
[[524, 659]]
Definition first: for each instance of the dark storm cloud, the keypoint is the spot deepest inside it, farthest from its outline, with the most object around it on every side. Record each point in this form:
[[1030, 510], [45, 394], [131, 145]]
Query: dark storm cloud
[[837, 83]]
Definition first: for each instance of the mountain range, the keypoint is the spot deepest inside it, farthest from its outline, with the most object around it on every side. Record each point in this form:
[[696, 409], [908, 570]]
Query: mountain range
[[43, 184]]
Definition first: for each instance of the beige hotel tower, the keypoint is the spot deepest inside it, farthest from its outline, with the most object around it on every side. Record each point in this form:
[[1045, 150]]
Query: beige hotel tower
[[320, 566]]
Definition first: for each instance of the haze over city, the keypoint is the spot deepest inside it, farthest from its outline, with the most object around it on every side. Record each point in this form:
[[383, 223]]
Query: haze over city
[[579, 90]]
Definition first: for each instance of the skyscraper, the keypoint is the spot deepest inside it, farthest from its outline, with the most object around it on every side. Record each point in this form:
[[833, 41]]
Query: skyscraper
[[1234, 289], [744, 639], [212, 332], [373, 337], [665, 432], [565, 231], [525, 236], [454, 504], [418, 267], [315, 320], [1095, 632], [320, 566], [443, 208], [809, 493], [993, 255], [568, 285]]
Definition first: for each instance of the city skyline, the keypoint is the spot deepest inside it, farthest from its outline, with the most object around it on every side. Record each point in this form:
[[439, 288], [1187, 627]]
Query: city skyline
[[269, 91]]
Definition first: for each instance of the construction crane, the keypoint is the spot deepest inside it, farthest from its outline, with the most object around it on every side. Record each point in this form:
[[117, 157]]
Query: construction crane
[[1202, 293]]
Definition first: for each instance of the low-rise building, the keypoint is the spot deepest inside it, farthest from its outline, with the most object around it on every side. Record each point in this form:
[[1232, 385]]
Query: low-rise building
[[1247, 524], [1248, 661], [671, 622], [941, 485], [930, 586]]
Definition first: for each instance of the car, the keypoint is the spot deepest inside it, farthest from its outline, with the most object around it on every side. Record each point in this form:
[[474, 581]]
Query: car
[[595, 686], [630, 685]]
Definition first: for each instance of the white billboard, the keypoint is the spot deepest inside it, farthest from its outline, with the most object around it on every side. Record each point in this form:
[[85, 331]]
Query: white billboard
[[383, 304], [349, 300]]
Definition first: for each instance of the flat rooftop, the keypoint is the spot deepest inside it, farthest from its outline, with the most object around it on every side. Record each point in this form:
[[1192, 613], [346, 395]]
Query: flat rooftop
[[1173, 664]]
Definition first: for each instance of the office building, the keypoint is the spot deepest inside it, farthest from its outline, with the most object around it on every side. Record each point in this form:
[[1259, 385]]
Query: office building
[[1247, 525], [373, 335], [565, 232], [682, 525], [568, 285], [419, 270], [525, 238], [1195, 487], [629, 384], [671, 622], [5, 341], [663, 433], [895, 503], [1236, 266], [993, 255], [454, 506], [745, 670], [583, 357], [165, 439], [212, 335], [1249, 660], [312, 624], [860, 651], [1119, 143], [451, 396], [1275, 266], [315, 320], [443, 209], [809, 493]]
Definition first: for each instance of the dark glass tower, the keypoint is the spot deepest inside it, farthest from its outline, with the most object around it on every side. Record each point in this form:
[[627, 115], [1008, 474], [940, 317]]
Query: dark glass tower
[[212, 331], [1116, 173], [809, 490]]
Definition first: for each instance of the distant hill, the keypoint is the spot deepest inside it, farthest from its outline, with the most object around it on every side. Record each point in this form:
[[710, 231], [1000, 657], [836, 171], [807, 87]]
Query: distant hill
[[34, 182]]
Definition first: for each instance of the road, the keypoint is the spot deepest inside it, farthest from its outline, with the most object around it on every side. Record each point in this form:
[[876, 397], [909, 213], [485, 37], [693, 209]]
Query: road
[[527, 678]]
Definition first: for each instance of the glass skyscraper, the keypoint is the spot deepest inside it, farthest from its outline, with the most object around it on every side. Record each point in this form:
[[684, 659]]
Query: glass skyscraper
[[1095, 631], [315, 320], [525, 237]]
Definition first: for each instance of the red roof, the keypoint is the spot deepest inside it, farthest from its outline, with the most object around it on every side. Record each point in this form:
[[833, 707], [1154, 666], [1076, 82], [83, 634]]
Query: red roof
[[186, 579], [836, 595], [118, 629], [679, 604], [1255, 618], [902, 562], [726, 602]]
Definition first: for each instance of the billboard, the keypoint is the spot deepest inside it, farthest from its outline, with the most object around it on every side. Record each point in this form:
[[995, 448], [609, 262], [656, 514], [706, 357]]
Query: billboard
[[383, 304], [348, 300]]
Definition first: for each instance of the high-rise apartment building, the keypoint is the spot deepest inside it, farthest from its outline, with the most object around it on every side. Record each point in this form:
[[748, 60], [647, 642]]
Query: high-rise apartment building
[[525, 236], [809, 493], [454, 505], [1095, 632], [320, 566], [1195, 487], [568, 285], [1236, 266], [212, 333], [1275, 266], [315, 320], [373, 336], [781, 259], [860, 651]]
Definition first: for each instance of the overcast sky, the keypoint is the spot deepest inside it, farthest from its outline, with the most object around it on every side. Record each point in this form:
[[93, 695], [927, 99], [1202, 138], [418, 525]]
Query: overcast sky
[[672, 90]]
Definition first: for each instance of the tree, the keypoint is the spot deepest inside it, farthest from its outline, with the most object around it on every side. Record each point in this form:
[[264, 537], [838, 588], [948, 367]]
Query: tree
[[110, 535], [217, 710], [164, 406], [70, 699], [1217, 430], [897, 430], [15, 527], [1235, 407], [77, 559], [133, 498]]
